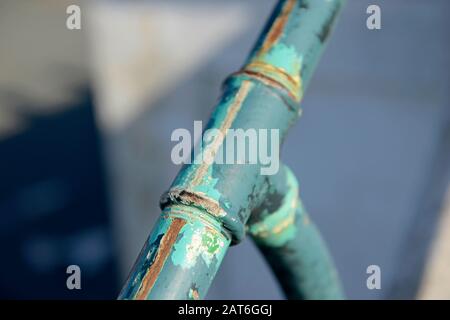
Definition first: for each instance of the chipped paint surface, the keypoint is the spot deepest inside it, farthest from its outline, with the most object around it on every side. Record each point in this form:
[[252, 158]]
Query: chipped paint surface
[[193, 294], [277, 29], [282, 64], [196, 199], [256, 97], [292, 245], [278, 227], [288, 52], [198, 241], [209, 205], [185, 240], [274, 59], [165, 245], [223, 124]]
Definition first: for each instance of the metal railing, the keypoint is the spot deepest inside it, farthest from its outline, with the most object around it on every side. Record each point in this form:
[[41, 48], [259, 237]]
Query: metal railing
[[211, 206]]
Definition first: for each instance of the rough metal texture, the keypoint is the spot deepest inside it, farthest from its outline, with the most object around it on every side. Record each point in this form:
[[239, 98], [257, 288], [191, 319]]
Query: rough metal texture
[[291, 243], [209, 204], [184, 251]]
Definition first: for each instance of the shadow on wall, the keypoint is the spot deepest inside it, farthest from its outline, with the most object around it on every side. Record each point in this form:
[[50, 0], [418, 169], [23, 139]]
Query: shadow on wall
[[54, 209]]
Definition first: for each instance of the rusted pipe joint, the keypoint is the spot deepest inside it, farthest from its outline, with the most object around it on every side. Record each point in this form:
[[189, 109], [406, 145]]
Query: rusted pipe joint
[[228, 225]]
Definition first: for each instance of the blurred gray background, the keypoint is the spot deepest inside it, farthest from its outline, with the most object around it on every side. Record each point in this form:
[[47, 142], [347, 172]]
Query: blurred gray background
[[86, 117]]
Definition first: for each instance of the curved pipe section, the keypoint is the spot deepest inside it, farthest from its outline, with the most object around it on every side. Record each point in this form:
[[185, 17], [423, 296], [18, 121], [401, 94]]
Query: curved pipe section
[[292, 244]]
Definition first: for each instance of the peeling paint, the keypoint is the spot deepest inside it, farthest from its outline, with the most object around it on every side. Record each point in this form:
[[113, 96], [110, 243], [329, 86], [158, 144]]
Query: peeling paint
[[208, 206], [165, 245], [277, 61], [278, 227], [282, 64], [277, 28], [186, 239], [196, 199], [193, 293], [197, 241], [225, 124], [292, 244]]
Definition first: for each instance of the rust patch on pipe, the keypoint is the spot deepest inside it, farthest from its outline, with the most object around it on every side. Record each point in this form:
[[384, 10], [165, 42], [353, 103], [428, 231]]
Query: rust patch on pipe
[[268, 73], [166, 244], [266, 68], [273, 77], [195, 294], [278, 26], [264, 79], [195, 199], [225, 125]]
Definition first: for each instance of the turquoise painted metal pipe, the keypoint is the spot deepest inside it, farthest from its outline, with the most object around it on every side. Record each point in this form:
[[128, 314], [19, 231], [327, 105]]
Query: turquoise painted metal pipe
[[182, 253], [291, 243], [208, 205]]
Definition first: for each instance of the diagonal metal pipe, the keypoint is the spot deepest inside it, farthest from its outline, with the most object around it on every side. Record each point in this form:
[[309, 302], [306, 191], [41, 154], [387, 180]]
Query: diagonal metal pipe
[[209, 204]]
